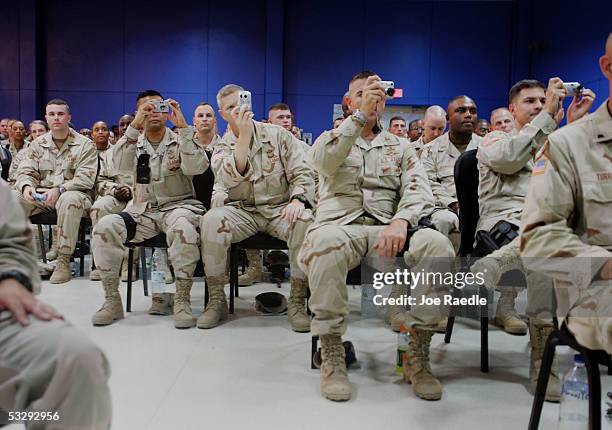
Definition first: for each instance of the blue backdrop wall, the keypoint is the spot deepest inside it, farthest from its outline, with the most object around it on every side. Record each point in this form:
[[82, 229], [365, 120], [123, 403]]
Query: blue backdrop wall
[[99, 54]]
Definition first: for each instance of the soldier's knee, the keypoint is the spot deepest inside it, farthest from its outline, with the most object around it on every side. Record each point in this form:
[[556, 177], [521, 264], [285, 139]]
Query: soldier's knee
[[214, 223], [106, 225], [184, 230], [432, 243], [70, 199], [87, 360], [320, 241]]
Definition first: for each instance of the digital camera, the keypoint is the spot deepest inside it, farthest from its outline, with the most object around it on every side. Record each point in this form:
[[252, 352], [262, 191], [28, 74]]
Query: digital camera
[[161, 106], [573, 88], [244, 99], [389, 87]]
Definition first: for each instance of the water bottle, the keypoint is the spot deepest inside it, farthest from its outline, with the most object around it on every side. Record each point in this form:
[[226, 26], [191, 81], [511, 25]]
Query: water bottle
[[574, 410], [403, 339], [158, 271]]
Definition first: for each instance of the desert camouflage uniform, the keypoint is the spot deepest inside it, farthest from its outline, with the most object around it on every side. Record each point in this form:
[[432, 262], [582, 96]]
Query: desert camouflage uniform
[[48, 365], [16, 158], [439, 161], [364, 185], [107, 180], [276, 171], [74, 167], [567, 224], [165, 205]]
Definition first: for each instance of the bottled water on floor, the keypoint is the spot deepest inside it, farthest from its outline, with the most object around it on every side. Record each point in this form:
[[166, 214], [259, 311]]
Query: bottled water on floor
[[158, 271], [574, 409]]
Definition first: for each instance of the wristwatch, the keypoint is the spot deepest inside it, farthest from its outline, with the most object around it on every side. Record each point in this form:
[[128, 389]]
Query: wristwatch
[[17, 276], [61, 189], [302, 199], [359, 117]]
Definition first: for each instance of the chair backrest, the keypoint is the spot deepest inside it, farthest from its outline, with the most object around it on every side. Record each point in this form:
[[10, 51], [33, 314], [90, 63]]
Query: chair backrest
[[466, 183]]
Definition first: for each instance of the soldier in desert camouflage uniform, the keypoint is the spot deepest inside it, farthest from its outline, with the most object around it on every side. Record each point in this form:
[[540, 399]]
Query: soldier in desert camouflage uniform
[[62, 165], [166, 204], [269, 186], [373, 187], [567, 222]]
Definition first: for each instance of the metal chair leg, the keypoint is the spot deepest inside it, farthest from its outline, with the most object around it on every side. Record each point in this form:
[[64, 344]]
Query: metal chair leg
[[143, 263], [206, 296], [233, 276], [449, 329], [592, 367], [41, 243], [540, 392], [314, 343], [484, 334], [128, 299], [82, 251]]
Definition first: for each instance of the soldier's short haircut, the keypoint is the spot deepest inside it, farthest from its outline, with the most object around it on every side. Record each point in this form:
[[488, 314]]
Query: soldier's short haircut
[[396, 118], [148, 93], [364, 74], [413, 122], [58, 102], [523, 85], [279, 106], [203, 104], [38, 122], [226, 90]]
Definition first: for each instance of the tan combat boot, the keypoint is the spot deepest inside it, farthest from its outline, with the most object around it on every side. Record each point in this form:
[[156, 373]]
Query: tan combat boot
[[182, 304], [94, 275], [539, 333], [296, 306], [395, 313], [417, 370], [494, 265], [216, 310], [52, 253], [441, 326], [112, 309], [506, 316], [335, 384], [61, 274], [161, 304], [253, 272]]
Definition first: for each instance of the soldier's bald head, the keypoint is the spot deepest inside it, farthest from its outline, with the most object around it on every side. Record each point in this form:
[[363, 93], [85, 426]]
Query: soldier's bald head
[[605, 64], [434, 112]]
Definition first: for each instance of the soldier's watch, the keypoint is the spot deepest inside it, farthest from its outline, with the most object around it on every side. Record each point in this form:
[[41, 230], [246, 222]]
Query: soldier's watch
[[302, 199], [359, 117], [62, 190], [17, 276]]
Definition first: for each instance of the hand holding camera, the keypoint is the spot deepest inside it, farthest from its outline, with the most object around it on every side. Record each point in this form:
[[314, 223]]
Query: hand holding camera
[[176, 117], [244, 122], [581, 103], [142, 113], [51, 197], [373, 93], [555, 93]]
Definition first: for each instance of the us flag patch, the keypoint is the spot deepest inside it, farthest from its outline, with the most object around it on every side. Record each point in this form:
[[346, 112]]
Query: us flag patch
[[540, 167]]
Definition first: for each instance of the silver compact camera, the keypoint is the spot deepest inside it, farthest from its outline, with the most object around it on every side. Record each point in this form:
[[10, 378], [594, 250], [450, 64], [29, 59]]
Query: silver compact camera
[[161, 106], [244, 99], [389, 87], [573, 88]]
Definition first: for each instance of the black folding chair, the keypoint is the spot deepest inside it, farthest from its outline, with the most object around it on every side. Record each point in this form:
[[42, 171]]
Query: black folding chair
[[592, 360], [50, 218], [466, 184]]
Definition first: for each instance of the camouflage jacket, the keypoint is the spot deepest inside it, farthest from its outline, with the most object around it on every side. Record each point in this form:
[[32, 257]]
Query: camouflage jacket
[[383, 178]]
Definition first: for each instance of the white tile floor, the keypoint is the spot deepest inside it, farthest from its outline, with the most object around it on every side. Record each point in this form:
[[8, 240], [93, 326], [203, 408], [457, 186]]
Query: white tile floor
[[253, 372]]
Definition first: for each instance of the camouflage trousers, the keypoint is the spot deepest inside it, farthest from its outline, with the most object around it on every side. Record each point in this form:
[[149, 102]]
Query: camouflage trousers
[[539, 287], [447, 223], [589, 316], [105, 205], [51, 366], [180, 226], [70, 208], [330, 251], [220, 227]]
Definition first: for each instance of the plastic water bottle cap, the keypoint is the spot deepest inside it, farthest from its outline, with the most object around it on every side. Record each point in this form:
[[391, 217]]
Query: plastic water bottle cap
[[578, 359]]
